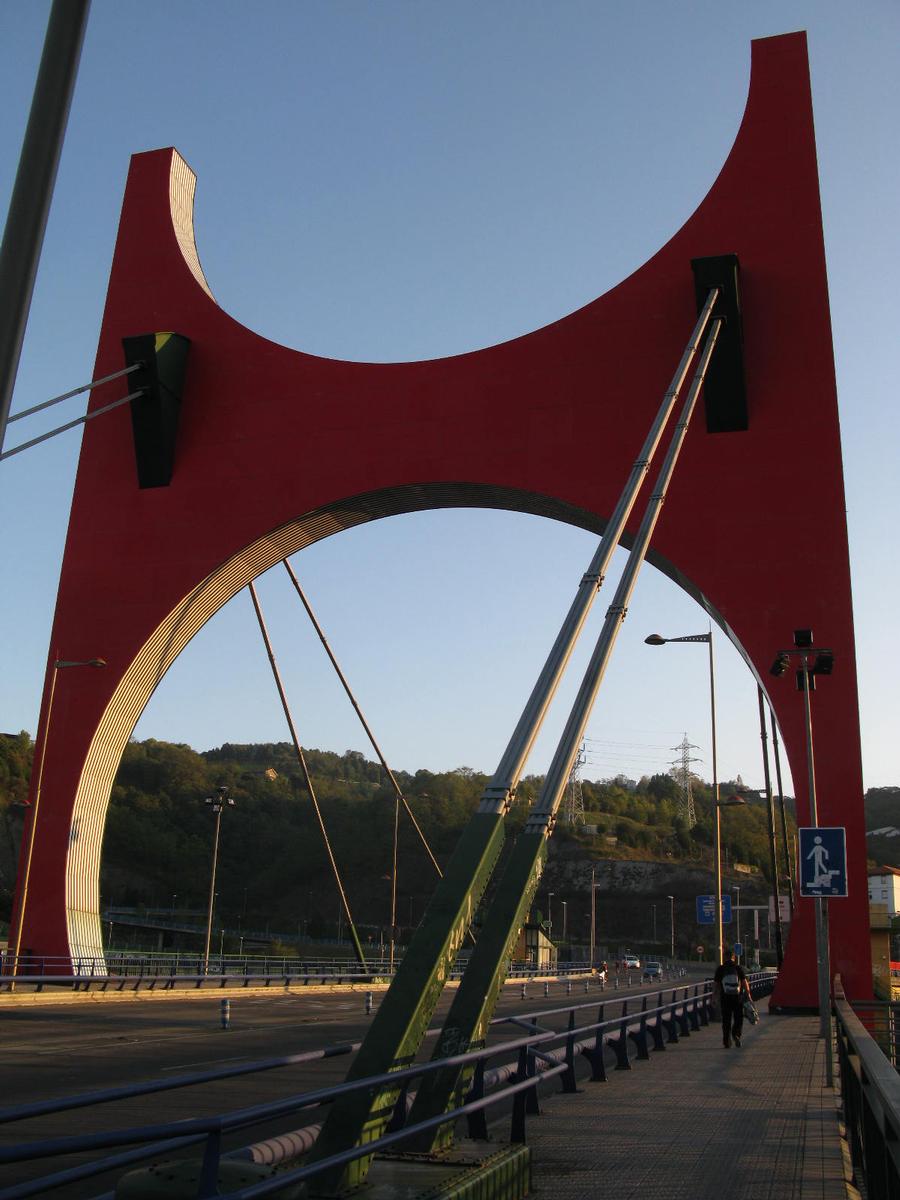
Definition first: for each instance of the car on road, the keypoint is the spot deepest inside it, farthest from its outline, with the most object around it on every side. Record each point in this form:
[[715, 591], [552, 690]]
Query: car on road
[[632, 962], [652, 970]]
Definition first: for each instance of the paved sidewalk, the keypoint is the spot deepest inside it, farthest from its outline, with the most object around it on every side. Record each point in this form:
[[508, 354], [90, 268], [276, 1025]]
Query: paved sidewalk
[[699, 1121]]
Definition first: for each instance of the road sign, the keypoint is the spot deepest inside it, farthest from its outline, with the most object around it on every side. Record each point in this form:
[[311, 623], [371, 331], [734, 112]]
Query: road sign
[[738, 949], [784, 908], [706, 910], [823, 860]]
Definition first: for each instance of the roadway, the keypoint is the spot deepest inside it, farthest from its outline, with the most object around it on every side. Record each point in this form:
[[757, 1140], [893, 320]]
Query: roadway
[[54, 1051]]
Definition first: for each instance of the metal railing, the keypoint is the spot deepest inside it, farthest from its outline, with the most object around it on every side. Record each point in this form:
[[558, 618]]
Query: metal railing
[[166, 972], [881, 1019], [541, 1054], [870, 1093]]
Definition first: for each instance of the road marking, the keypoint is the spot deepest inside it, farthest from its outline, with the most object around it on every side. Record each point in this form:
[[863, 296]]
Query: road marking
[[207, 1062]]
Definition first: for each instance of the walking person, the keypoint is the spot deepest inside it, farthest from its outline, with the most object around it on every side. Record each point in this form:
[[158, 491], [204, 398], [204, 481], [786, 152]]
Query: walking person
[[732, 989]]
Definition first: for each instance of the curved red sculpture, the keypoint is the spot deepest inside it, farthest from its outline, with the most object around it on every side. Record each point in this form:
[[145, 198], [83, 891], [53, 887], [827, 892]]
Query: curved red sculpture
[[548, 423]]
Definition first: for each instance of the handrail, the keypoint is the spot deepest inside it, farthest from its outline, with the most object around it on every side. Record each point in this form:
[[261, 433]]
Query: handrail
[[870, 1091], [688, 1008]]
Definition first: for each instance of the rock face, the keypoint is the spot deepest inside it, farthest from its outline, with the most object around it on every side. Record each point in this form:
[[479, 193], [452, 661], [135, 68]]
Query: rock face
[[632, 903], [626, 875]]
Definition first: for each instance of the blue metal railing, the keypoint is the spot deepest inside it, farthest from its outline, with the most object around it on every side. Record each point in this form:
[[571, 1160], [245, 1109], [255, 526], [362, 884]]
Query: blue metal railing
[[539, 1055]]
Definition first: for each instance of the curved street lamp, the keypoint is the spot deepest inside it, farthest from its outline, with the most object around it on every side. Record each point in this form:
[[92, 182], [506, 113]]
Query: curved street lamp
[[58, 665], [217, 803], [656, 639]]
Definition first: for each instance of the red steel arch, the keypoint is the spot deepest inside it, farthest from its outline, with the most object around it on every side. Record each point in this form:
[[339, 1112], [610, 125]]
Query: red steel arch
[[548, 423]]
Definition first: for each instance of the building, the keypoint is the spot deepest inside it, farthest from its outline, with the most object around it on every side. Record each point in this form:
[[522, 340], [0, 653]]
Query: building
[[884, 888]]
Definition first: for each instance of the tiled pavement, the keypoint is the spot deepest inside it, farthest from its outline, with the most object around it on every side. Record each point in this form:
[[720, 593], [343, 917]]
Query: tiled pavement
[[699, 1121]]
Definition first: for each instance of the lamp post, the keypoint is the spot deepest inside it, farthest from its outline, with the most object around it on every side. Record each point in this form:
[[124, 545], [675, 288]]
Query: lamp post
[[565, 905], [653, 922], [737, 910], [671, 900], [656, 639], [594, 886], [823, 664], [550, 896], [58, 665], [730, 802], [217, 803]]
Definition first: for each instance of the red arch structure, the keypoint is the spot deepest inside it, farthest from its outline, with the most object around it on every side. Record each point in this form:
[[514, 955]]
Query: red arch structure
[[547, 423]]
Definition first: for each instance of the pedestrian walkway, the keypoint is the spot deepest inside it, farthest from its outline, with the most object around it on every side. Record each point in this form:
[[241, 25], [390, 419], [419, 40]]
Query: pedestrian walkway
[[704, 1123]]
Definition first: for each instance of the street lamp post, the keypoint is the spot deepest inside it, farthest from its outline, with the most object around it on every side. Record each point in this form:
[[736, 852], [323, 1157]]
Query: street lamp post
[[58, 665], [823, 664], [737, 910], [565, 905], [594, 886], [671, 900], [653, 921], [656, 639], [550, 896], [217, 803]]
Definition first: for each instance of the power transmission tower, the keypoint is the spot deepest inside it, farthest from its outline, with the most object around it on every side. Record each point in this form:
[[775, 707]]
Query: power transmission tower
[[573, 813], [681, 771]]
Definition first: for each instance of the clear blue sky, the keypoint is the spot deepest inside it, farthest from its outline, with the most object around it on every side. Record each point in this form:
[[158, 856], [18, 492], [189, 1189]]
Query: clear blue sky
[[391, 181]]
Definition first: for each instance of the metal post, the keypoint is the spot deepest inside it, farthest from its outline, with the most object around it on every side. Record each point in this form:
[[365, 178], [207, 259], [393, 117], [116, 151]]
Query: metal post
[[788, 872], [593, 915], [212, 888], [672, 925], [29, 204], [822, 954], [715, 783], [773, 856]]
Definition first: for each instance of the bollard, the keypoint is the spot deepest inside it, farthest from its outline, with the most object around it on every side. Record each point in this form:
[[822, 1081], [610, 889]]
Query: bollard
[[616, 984], [587, 984], [368, 1003], [546, 989], [523, 993], [568, 987], [225, 1013]]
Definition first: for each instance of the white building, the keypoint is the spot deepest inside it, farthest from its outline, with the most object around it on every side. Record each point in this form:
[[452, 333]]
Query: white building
[[884, 888]]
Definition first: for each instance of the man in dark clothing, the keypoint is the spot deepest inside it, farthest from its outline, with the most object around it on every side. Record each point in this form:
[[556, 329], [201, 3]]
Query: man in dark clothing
[[732, 989]]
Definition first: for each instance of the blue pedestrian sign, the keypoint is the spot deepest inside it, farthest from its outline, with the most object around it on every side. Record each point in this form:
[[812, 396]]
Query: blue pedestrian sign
[[823, 860], [738, 949], [706, 910]]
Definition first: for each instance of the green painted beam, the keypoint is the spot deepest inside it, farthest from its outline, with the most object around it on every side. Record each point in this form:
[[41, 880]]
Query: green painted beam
[[404, 1015], [473, 1005]]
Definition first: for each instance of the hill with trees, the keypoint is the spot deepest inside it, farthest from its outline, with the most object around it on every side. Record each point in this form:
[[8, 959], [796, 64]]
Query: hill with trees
[[274, 870]]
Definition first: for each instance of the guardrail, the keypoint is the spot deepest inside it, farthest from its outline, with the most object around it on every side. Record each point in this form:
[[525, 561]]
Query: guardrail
[[870, 1092], [881, 1018], [170, 974], [541, 1054]]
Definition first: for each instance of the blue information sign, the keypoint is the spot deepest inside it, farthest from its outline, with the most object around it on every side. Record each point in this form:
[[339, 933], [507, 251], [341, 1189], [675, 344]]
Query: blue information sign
[[823, 860], [706, 910], [738, 949]]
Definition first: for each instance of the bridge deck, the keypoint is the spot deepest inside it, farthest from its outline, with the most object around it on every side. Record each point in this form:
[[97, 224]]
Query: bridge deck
[[756, 1123]]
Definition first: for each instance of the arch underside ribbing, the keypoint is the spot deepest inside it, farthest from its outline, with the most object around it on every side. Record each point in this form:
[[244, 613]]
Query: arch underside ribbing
[[145, 673]]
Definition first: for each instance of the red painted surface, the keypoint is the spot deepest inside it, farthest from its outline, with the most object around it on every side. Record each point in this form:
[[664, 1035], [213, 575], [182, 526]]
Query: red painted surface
[[760, 531]]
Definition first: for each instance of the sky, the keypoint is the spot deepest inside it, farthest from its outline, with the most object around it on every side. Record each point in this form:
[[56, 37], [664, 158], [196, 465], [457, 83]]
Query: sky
[[389, 181]]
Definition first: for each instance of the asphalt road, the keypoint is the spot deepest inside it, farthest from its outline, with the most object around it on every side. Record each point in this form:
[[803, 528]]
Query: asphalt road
[[61, 1050]]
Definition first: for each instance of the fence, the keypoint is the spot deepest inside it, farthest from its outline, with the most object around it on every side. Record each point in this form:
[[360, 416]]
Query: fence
[[870, 1091], [541, 1054]]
